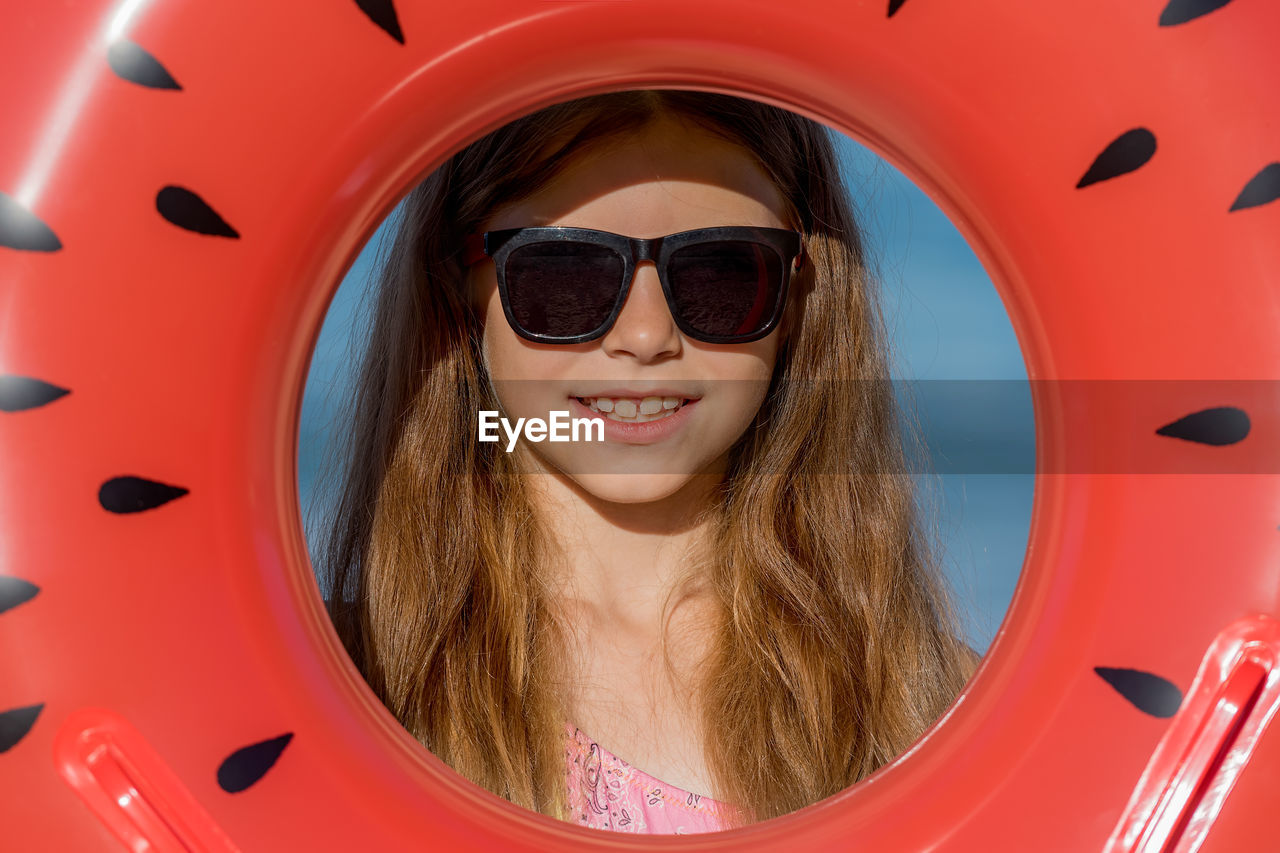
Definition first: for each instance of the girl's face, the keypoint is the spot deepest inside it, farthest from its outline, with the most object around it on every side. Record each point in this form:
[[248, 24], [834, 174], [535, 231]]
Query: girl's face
[[667, 179]]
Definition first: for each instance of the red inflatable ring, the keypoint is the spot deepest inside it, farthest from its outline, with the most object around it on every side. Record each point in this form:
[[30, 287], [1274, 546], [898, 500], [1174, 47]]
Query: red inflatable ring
[[183, 185]]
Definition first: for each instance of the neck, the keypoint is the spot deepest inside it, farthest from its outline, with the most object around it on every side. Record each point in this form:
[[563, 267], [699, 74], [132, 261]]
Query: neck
[[623, 559]]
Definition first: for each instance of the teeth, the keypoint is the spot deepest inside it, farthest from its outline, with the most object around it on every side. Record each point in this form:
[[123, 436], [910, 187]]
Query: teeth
[[631, 410], [641, 418]]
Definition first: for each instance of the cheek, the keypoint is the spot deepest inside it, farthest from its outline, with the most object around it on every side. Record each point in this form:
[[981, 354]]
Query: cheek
[[769, 352], [503, 357], [744, 403], [500, 346], [757, 359], [748, 384]]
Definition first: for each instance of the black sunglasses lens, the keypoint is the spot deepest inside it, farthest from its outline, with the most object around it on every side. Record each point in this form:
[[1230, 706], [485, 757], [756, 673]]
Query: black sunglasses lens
[[726, 288], [563, 289]]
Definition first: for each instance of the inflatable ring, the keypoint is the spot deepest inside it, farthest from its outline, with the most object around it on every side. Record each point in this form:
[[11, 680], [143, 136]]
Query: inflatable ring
[[184, 185]]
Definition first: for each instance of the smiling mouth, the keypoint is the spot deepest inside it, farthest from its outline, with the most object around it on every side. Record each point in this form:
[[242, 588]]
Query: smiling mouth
[[634, 410]]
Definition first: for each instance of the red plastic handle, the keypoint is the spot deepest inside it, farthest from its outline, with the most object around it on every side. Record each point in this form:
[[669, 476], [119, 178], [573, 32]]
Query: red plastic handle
[[1203, 758], [131, 789], [1235, 695]]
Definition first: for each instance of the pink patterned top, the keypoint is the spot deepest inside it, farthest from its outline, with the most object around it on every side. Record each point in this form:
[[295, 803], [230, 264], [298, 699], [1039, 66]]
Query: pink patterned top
[[606, 792]]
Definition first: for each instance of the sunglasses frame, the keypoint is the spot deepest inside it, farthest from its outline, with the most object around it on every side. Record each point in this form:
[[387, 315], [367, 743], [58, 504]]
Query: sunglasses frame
[[498, 245]]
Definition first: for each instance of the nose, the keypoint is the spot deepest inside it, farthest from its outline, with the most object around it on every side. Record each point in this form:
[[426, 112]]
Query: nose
[[645, 328]]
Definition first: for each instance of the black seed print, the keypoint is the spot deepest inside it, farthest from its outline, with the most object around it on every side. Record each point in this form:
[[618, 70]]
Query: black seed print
[[894, 6], [1217, 426], [15, 591], [22, 229], [1149, 693], [132, 63], [187, 210], [248, 764], [383, 13], [18, 393], [1262, 188], [134, 494], [15, 723], [1181, 11], [1129, 151]]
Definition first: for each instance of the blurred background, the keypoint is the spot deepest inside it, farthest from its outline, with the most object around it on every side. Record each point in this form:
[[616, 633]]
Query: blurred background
[[961, 373]]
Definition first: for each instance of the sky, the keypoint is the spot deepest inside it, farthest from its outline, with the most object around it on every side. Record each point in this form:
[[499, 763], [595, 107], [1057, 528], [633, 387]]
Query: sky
[[954, 350]]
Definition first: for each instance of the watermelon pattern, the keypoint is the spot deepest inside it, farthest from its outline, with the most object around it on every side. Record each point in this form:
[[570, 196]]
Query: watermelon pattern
[[181, 188]]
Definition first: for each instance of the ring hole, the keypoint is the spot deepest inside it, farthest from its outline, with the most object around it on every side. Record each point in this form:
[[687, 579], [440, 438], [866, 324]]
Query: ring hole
[[949, 343]]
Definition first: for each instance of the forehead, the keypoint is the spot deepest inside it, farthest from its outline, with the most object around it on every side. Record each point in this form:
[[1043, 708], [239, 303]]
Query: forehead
[[668, 177]]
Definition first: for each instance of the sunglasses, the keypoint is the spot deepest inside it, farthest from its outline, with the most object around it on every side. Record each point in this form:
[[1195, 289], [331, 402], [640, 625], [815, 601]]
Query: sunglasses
[[567, 285]]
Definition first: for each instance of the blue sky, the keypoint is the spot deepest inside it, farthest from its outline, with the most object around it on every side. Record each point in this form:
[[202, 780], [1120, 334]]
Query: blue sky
[[946, 322]]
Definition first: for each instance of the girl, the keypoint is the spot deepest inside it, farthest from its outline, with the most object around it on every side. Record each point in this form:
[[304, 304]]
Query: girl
[[725, 610]]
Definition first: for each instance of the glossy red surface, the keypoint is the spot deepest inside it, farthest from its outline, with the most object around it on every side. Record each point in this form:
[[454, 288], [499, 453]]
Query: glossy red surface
[[198, 623]]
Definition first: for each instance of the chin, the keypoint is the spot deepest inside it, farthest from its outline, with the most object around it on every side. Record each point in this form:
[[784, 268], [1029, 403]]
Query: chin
[[631, 488]]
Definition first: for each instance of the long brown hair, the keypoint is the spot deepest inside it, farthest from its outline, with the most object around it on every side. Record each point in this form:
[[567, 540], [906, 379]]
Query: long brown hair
[[834, 647]]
